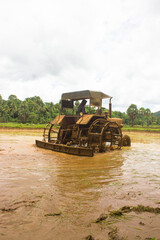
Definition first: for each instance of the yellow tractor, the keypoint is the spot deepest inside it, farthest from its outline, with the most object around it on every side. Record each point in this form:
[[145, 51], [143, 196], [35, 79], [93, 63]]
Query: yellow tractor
[[84, 133]]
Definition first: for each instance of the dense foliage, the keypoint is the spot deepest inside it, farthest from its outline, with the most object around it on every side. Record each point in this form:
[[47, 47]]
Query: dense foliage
[[34, 110], [31, 110]]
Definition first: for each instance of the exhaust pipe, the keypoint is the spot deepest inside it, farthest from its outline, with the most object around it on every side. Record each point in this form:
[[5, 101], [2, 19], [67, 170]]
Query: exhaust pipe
[[110, 108]]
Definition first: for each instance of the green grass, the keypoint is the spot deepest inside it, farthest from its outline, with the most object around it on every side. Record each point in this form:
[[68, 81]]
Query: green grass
[[22, 125], [140, 128], [40, 126], [127, 209], [53, 214]]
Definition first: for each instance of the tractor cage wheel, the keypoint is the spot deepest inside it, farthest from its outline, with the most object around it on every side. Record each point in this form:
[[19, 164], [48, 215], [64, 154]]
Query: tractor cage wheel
[[51, 134], [102, 131], [113, 134]]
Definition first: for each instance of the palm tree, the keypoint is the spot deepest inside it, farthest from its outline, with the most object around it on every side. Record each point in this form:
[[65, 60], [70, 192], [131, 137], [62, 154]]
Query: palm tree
[[147, 114], [132, 112], [142, 114]]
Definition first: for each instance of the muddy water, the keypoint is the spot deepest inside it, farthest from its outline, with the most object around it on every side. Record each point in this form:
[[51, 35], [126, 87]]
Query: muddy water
[[54, 196]]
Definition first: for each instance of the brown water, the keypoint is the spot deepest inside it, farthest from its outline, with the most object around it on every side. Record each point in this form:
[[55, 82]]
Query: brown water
[[37, 183]]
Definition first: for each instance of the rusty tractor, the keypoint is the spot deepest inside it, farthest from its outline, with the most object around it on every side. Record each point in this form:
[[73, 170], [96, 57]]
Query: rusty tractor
[[84, 133]]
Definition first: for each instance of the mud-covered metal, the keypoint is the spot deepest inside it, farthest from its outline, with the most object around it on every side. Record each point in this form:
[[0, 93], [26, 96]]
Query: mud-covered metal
[[83, 134], [81, 151]]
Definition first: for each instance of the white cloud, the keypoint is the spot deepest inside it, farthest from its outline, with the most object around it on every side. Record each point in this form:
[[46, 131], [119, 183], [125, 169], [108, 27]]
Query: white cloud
[[49, 47]]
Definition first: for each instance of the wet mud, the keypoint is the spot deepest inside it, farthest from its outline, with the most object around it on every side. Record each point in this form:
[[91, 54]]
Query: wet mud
[[54, 196]]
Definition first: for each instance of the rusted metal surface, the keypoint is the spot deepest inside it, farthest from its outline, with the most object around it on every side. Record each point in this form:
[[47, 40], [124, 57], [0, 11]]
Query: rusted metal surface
[[58, 120], [101, 132], [65, 120], [81, 151], [84, 119], [117, 120]]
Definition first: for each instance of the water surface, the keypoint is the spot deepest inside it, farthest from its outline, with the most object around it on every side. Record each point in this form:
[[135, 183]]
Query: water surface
[[37, 183]]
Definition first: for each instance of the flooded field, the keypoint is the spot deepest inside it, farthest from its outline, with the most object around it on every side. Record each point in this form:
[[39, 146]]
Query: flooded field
[[54, 196]]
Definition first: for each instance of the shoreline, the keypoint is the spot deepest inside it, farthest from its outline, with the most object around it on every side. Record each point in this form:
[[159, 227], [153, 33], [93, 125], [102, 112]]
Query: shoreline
[[142, 131], [20, 129], [41, 130]]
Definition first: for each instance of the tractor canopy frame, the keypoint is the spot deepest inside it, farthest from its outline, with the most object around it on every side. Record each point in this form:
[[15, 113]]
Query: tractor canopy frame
[[94, 97]]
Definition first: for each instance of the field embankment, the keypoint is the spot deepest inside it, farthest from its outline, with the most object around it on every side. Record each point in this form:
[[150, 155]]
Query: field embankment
[[151, 129], [22, 125], [31, 126]]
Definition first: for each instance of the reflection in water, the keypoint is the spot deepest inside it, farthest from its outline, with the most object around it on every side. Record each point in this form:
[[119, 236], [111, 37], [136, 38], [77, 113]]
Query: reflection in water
[[82, 180]]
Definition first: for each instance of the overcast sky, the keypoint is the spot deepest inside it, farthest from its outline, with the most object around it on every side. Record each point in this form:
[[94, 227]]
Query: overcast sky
[[48, 47]]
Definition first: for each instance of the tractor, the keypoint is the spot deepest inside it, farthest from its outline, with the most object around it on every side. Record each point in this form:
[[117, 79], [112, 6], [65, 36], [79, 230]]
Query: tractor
[[82, 133]]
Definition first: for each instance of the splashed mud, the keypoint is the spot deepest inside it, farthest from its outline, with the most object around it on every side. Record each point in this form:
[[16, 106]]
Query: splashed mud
[[49, 195]]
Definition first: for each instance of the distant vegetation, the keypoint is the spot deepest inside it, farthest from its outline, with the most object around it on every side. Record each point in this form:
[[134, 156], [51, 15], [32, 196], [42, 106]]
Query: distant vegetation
[[34, 111], [157, 114]]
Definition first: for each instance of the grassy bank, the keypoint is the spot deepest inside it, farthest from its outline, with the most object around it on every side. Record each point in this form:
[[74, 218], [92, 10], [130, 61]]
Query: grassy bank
[[142, 129], [22, 125], [41, 126]]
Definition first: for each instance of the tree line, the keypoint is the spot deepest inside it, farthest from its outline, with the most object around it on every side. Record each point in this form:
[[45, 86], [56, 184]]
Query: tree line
[[34, 110]]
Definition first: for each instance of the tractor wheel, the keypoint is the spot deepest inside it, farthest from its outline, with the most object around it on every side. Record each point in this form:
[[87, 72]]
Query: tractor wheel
[[52, 134], [46, 132], [95, 135], [112, 134], [126, 140], [103, 134]]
